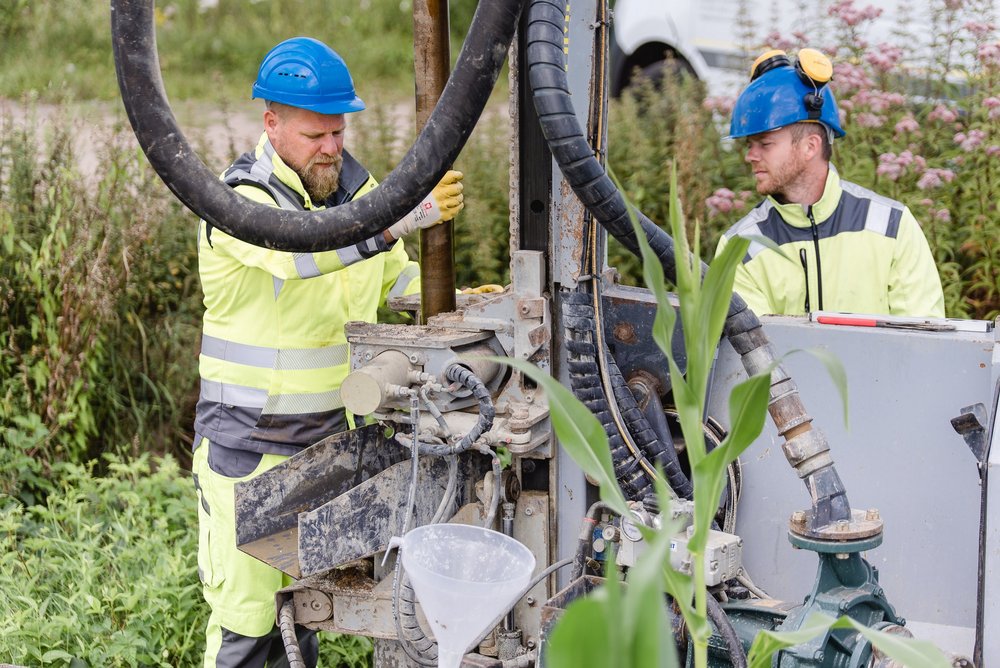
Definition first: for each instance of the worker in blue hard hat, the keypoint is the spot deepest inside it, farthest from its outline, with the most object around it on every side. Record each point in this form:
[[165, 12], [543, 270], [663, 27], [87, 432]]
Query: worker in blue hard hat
[[273, 350], [843, 247]]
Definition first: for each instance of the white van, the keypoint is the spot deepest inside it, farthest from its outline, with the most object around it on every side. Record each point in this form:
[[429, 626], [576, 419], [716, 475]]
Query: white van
[[716, 40]]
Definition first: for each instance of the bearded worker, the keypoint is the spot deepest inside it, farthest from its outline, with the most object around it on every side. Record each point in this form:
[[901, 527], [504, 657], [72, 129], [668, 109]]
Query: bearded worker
[[843, 247], [274, 352]]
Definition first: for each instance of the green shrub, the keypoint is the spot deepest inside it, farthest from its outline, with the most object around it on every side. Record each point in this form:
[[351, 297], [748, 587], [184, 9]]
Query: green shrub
[[103, 572], [99, 305]]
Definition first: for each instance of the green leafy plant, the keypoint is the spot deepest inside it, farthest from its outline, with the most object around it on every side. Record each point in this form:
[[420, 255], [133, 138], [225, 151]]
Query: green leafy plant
[[104, 572]]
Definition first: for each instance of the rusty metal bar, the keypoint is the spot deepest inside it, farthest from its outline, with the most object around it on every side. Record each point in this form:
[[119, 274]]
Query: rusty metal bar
[[431, 64]]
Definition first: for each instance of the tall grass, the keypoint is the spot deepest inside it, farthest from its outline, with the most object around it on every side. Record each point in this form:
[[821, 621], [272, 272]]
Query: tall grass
[[99, 305], [207, 48]]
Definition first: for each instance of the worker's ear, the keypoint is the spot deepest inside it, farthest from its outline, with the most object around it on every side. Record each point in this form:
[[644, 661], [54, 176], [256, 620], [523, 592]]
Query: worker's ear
[[814, 145], [270, 123]]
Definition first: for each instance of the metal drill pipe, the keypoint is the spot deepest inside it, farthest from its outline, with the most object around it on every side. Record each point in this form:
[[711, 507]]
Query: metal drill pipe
[[431, 61]]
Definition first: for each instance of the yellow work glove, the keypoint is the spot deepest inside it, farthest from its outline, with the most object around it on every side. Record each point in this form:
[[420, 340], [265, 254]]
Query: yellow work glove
[[489, 288], [444, 203]]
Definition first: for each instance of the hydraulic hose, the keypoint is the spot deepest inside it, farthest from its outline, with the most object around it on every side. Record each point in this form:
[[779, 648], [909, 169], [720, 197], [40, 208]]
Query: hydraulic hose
[[465, 377], [648, 402], [415, 643], [805, 449], [286, 624], [439, 143], [633, 470], [737, 655]]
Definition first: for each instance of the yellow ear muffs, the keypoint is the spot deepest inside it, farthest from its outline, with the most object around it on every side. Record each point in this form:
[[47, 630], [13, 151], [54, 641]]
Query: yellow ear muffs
[[815, 66], [767, 61]]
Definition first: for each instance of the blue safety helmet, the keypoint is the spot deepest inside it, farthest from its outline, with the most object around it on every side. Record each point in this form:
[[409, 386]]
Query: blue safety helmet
[[781, 94], [306, 73]]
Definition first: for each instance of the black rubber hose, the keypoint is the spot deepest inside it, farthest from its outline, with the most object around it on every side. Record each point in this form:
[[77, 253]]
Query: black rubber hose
[[584, 373], [737, 654], [546, 66], [439, 143], [465, 377]]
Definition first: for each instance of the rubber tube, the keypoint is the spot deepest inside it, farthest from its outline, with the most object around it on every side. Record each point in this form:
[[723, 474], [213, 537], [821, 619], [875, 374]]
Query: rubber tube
[[439, 143], [586, 176], [286, 625], [487, 412], [737, 655]]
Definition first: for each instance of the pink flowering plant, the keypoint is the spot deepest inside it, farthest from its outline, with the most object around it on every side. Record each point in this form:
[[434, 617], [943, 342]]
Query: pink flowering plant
[[922, 115]]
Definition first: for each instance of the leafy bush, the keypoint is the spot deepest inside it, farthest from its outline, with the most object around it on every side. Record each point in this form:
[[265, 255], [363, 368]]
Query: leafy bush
[[105, 571], [99, 306]]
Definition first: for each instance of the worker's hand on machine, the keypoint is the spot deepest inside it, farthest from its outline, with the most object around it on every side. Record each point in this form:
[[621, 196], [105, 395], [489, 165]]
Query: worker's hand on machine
[[444, 203]]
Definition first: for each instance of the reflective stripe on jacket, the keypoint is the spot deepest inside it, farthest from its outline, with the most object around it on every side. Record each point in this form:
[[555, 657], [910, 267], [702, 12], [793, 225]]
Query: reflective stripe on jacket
[[274, 352], [873, 256]]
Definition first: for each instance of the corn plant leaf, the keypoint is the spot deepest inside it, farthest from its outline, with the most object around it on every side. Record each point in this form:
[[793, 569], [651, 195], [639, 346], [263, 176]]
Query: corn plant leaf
[[747, 410], [768, 642], [909, 652], [579, 433], [583, 635]]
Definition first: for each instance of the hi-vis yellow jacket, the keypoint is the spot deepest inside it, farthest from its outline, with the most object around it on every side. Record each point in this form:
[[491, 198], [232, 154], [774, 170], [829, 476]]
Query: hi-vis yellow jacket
[[273, 351], [870, 251]]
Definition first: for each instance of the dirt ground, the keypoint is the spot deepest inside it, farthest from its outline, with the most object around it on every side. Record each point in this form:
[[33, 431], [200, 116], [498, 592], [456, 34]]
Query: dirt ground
[[217, 134]]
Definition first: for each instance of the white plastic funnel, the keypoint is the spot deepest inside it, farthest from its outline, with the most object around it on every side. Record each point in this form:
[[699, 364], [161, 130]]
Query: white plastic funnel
[[465, 578]]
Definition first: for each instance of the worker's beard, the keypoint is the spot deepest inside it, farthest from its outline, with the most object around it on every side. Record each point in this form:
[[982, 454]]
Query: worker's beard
[[321, 181]]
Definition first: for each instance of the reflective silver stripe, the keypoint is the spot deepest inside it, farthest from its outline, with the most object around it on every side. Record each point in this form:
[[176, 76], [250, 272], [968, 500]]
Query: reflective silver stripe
[[312, 358], [864, 193], [292, 359], [750, 223], [278, 284], [228, 394], [306, 265], [300, 404], [233, 395], [240, 353], [878, 217], [404, 279], [755, 247], [349, 255]]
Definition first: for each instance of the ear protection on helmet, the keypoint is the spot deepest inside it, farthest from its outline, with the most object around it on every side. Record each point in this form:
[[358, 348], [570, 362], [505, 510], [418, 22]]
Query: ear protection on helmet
[[812, 67]]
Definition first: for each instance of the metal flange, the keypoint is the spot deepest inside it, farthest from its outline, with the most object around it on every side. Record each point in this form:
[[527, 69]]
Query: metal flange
[[863, 531]]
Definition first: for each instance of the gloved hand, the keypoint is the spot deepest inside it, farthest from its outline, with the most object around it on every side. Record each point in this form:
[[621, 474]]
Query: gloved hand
[[444, 203], [487, 289]]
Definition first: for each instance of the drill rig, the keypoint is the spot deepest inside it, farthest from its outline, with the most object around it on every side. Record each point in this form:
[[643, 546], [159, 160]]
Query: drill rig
[[444, 413]]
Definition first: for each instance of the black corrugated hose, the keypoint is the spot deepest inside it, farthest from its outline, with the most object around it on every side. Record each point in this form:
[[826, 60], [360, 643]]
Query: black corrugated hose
[[436, 148], [467, 379]]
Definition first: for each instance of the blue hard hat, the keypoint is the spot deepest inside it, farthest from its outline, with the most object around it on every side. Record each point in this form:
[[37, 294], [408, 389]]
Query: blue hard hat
[[306, 73], [782, 96]]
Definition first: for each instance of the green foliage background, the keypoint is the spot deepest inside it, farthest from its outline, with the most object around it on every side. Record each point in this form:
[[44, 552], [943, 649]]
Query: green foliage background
[[100, 303]]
